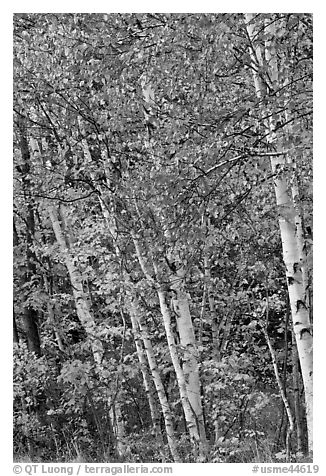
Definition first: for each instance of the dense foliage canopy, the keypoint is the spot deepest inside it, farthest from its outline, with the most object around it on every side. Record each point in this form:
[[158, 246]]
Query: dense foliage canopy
[[142, 183]]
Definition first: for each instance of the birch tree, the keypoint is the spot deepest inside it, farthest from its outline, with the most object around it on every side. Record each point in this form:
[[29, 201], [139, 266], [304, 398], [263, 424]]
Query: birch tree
[[156, 237], [267, 82]]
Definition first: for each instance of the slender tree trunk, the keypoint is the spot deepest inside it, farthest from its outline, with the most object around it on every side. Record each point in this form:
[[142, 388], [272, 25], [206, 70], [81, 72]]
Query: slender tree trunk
[[61, 232], [30, 315], [227, 326], [80, 298], [212, 310], [190, 415], [118, 428], [53, 324], [290, 227], [165, 406], [15, 330], [296, 395], [299, 222], [108, 213], [81, 302], [31, 329], [51, 313], [189, 350], [188, 345], [285, 400], [148, 384], [188, 375], [286, 344]]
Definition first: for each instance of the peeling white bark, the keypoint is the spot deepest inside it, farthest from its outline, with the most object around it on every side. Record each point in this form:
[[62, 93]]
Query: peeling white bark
[[289, 220], [80, 298], [140, 327]]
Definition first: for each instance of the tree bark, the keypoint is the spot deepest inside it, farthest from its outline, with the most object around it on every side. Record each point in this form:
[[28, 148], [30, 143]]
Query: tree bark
[[165, 406], [290, 229], [80, 298], [188, 375], [190, 415], [81, 302], [119, 429], [15, 330], [30, 315], [282, 393], [53, 324], [296, 396], [148, 384], [189, 350], [108, 214], [31, 330]]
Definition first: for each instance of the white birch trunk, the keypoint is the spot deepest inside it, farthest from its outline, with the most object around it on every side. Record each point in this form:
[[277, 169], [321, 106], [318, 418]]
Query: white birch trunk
[[116, 412], [190, 415], [299, 222], [189, 350], [80, 298], [188, 376], [118, 429], [110, 221], [190, 368], [148, 384], [296, 395], [61, 232], [188, 383], [51, 314], [52, 322], [139, 326], [291, 234], [282, 393]]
